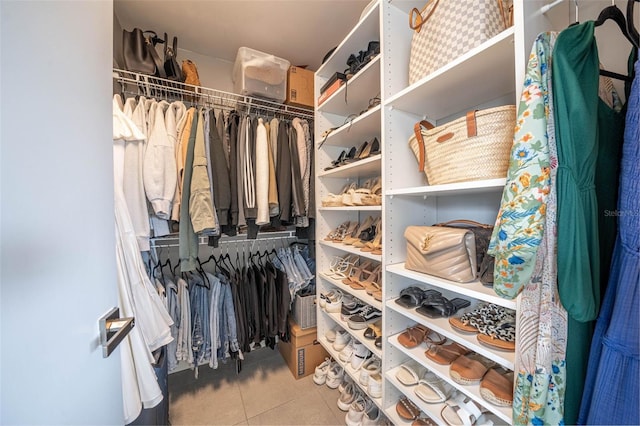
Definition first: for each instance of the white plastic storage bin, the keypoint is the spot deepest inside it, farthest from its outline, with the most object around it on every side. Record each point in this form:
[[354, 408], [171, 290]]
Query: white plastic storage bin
[[257, 73]]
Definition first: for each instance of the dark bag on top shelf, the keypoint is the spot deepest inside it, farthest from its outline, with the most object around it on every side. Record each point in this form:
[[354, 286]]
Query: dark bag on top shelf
[[138, 48], [171, 65]]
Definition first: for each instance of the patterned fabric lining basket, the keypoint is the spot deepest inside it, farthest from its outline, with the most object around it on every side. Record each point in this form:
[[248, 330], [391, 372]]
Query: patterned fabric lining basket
[[474, 147]]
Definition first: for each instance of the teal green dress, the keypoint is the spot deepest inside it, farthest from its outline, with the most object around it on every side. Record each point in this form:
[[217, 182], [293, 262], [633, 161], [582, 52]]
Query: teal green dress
[[585, 140]]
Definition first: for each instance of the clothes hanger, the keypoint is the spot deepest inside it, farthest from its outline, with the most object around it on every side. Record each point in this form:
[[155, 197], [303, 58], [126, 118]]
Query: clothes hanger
[[633, 32], [612, 12]]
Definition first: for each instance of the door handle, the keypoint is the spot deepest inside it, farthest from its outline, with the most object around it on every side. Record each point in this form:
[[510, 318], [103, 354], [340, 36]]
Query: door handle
[[113, 330]]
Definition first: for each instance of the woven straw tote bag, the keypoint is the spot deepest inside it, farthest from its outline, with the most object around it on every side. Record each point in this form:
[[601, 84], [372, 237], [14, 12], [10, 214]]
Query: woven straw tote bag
[[474, 147]]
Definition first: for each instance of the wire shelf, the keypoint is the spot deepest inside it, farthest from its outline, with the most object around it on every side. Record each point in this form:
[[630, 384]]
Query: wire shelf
[[155, 87]]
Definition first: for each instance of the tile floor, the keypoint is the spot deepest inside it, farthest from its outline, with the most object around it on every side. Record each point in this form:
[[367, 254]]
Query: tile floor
[[263, 393]]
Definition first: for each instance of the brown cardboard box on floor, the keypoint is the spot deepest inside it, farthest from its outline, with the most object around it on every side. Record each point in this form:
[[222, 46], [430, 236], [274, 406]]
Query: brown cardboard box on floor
[[299, 87], [303, 353]]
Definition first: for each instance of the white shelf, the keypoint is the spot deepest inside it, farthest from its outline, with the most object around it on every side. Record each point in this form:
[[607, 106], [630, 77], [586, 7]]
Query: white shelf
[[364, 31], [452, 189], [350, 249], [432, 410], [359, 89], [367, 167], [451, 88], [474, 289], [351, 372], [360, 294], [442, 326], [351, 209], [504, 413], [363, 128]]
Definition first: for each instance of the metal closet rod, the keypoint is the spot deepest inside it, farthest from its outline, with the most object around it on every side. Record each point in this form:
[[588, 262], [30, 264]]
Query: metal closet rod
[[172, 241], [159, 87]]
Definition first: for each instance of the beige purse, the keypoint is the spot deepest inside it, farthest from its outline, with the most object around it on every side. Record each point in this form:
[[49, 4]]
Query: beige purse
[[445, 252], [447, 29]]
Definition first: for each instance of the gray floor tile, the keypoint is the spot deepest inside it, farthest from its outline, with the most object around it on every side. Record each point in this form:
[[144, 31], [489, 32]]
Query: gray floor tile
[[309, 409], [330, 397], [210, 404]]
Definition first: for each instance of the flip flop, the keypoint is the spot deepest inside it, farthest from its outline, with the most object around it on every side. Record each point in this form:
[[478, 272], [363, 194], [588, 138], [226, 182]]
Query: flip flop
[[413, 296], [407, 409], [446, 354], [432, 389], [410, 373], [414, 336], [439, 307], [497, 387], [469, 369]]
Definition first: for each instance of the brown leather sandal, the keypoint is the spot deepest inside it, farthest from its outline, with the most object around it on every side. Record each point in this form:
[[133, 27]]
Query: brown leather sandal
[[407, 409], [446, 354], [414, 336]]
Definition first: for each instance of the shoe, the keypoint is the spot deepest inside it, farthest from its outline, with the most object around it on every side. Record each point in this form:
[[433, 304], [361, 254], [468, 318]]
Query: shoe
[[358, 153], [356, 411], [356, 273], [331, 296], [342, 339], [355, 237], [350, 308], [333, 304], [335, 376], [347, 397], [335, 200], [374, 387], [369, 367], [372, 416], [320, 374], [345, 381], [340, 230], [330, 334], [340, 267], [347, 352], [359, 354], [338, 161], [374, 330], [362, 319]]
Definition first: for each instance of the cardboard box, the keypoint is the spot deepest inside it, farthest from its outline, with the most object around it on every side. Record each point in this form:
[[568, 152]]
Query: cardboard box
[[299, 87], [303, 353]]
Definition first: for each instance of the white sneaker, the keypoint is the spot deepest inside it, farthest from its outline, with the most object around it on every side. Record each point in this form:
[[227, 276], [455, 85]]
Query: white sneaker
[[374, 387], [335, 376], [333, 302], [342, 339], [359, 354], [371, 417], [357, 410], [345, 381], [369, 367], [347, 397], [330, 335], [346, 353], [320, 374]]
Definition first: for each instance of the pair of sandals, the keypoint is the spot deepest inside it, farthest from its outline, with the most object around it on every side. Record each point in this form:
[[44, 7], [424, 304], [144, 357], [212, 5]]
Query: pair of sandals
[[356, 62], [365, 276], [495, 326], [430, 303], [369, 194], [426, 385], [365, 150], [415, 335]]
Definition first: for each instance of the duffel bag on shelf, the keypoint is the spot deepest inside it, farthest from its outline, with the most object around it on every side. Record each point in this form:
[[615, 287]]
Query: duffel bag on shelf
[[474, 147]]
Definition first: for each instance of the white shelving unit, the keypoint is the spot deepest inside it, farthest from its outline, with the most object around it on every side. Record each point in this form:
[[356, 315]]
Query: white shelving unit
[[354, 120], [489, 75]]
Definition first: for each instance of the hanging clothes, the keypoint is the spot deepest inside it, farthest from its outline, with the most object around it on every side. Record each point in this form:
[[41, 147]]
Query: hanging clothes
[[136, 295], [542, 321], [220, 183], [262, 174], [201, 210], [588, 137], [612, 389], [188, 238], [284, 175]]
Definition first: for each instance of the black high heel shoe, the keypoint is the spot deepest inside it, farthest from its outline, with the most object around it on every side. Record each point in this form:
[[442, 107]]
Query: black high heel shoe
[[358, 154], [337, 162]]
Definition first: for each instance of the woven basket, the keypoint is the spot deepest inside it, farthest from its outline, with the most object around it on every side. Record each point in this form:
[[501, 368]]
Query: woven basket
[[474, 147]]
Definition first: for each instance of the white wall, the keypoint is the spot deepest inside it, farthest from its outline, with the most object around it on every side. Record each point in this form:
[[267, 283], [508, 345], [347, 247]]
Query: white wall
[[214, 73], [57, 225]]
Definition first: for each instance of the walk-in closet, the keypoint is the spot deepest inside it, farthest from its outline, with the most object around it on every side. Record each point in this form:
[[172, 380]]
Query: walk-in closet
[[326, 212]]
